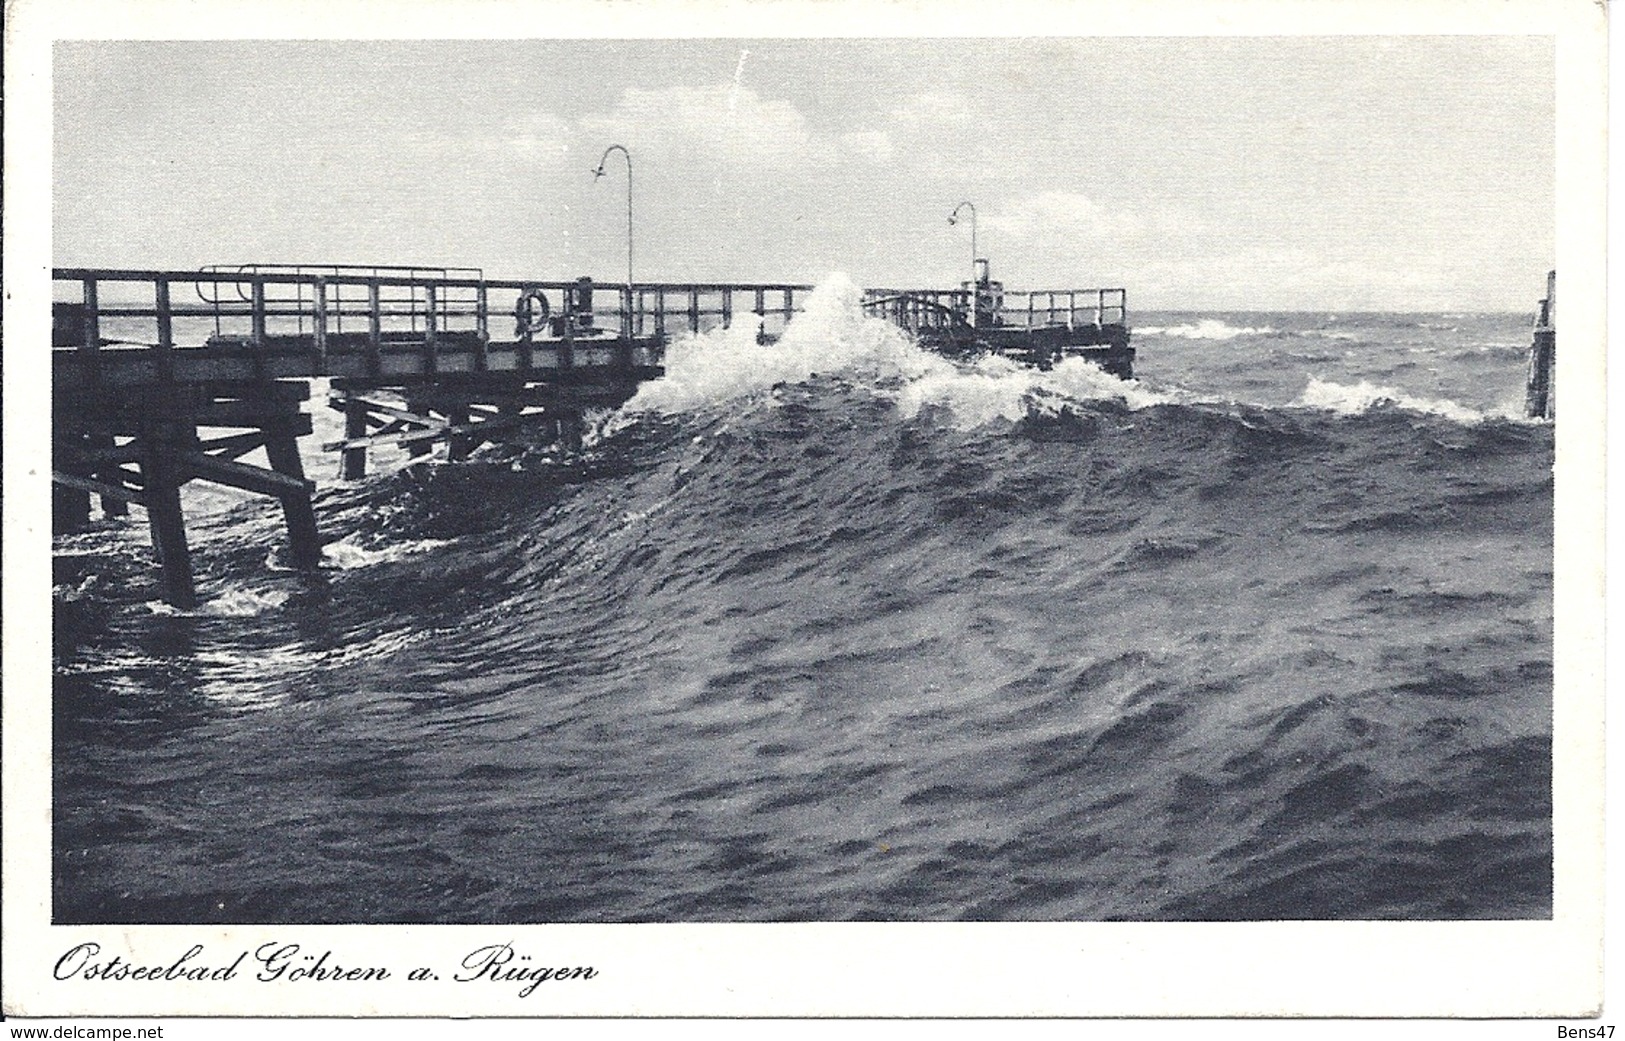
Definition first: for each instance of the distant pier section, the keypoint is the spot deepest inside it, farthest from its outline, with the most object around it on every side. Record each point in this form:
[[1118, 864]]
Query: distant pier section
[[1035, 327], [164, 377]]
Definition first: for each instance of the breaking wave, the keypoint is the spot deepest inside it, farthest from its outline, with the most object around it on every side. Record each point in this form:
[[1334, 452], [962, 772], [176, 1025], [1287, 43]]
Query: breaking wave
[[1362, 397]]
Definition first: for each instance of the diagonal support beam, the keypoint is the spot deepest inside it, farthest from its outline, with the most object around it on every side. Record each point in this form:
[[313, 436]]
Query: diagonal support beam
[[102, 488], [241, 475], [337, 401], [234, 445]]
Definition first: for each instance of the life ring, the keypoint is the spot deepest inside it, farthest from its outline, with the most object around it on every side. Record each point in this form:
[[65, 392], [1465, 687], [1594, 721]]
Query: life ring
[[531, 312]]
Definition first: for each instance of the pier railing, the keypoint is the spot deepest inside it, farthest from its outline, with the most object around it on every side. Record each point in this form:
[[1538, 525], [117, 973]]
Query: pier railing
[[1042, 308], [345, 295], [249, 304], [949, 309]]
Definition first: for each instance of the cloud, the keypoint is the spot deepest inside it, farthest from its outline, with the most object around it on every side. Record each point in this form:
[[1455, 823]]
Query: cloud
[[874, 145], [934, 110], [722, 123], [1064, 214], [962, 144]]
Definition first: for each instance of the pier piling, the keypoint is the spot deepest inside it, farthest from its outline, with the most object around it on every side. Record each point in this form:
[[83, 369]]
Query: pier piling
[[1540, 398]]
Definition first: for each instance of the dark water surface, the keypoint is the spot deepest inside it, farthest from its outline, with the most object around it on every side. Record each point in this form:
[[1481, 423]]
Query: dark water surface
[[836, 630]]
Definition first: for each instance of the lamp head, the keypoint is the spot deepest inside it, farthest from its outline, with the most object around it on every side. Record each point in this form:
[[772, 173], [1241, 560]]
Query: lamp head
[[598, 172], [953, 220]]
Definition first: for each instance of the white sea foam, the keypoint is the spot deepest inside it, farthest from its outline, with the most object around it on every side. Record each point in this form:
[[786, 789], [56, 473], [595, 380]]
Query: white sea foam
[[347, 554], [1349, 400], [995, 387], [1205, 329], [237, 602], [230, 602], [833, 335], [67, 592]]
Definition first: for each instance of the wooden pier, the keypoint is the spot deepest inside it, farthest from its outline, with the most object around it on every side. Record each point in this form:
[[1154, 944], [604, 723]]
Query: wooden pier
[[165, 377]]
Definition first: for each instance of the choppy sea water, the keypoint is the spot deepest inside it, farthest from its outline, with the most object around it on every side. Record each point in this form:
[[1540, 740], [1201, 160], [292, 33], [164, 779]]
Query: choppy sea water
[[835, 629]]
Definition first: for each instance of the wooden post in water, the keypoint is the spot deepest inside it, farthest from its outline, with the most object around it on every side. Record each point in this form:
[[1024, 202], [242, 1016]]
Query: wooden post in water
[[355, 425], [1540, 397], [163, 442], [571, 429], [418, 449], [282, 450], [70, 507], [458, 446]]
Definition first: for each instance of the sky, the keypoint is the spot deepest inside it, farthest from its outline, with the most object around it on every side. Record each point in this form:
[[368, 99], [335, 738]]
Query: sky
[[1240, 173]]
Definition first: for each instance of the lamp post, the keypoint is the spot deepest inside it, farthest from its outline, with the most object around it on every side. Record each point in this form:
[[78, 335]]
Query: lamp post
[[953, 218], [599, 173]]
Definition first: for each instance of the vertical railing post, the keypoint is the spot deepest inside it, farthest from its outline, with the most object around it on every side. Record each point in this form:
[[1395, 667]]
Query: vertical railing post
[[565, 353], [727, 307], [524, 348], [319, 325], [431, 345], [694, 310], [256, 324], [626, 313], [163, 351], [256, 320], [482, 333], [375, 329], [91, 333]]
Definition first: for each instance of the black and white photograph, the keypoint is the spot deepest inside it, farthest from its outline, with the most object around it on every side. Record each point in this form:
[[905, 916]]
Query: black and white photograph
[[1035, 483]]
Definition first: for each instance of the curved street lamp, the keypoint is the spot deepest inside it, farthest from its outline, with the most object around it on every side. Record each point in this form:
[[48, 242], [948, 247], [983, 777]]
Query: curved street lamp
[[599, 173], [954, 219]]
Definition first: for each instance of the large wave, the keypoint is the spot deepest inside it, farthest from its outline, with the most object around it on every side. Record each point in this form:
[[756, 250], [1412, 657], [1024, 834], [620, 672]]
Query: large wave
[[833, 337]]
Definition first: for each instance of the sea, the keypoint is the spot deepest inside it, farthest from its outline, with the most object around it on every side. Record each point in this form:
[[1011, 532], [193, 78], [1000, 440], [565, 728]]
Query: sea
[[837, 629]]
